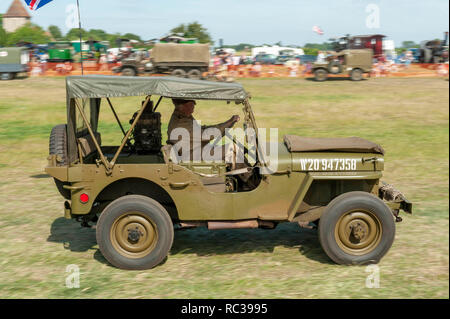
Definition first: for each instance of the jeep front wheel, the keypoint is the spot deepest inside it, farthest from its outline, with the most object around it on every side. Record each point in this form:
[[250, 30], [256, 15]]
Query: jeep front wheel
[[135, 232], [356, 228], [320, 75]]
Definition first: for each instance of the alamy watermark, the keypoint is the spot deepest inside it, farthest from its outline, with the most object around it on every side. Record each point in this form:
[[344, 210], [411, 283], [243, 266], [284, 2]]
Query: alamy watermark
[[195, 145], [72, 18], [373, 279], [373, 17], [73, 279]]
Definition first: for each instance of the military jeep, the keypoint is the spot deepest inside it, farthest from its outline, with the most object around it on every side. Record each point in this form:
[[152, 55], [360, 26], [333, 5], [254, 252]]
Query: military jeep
[[136, 194], [354, 63]]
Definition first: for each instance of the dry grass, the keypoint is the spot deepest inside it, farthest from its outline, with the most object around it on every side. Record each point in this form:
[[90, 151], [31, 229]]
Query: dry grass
[[409, 117]]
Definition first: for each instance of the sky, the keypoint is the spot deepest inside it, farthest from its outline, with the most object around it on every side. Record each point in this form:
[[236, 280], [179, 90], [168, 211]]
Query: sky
[[255, 21]]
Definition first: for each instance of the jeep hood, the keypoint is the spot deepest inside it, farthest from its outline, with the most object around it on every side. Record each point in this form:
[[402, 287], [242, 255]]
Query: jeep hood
[[348, 144]]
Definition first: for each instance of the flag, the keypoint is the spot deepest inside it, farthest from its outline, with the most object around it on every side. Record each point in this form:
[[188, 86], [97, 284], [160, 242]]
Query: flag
[[318, 30], [36, 4]]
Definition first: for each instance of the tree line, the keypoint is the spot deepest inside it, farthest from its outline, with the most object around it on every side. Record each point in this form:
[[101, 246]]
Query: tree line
[[35, 34]]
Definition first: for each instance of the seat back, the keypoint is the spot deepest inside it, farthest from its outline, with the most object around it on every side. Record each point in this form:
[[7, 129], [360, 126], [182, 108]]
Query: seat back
[[87, 145]]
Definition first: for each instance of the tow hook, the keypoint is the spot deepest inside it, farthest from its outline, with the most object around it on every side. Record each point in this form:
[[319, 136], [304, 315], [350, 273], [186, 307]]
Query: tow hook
[[398, 219]]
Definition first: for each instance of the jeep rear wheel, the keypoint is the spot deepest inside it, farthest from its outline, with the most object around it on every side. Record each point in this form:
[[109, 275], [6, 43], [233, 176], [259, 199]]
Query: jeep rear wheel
[[58, 147], [356, 228], [135, 232], [320, 75]]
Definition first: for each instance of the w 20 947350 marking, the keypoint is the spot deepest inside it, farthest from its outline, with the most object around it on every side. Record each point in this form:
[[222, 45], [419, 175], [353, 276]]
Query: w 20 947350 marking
[[335, 164]]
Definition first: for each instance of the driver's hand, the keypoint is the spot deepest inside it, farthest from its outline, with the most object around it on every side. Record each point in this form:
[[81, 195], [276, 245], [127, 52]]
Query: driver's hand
[[234, 119]]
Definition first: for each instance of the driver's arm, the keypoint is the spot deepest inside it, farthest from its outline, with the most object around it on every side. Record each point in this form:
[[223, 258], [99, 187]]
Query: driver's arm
[[222, 126]]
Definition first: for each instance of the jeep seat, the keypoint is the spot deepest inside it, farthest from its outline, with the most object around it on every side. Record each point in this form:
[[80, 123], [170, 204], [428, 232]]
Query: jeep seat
[[87, 145]]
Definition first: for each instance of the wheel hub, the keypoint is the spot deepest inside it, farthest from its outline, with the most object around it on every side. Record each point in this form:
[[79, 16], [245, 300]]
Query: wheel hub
[[358, 232], [133, 235]]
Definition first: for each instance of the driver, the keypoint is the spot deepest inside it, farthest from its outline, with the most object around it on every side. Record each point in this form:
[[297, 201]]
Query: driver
[[182, 118]]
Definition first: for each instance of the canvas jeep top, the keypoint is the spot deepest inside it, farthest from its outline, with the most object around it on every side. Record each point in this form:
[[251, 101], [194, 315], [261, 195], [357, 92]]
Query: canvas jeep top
[[137, 194]]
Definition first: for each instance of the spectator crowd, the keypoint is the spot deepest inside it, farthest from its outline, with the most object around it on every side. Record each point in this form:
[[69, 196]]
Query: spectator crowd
[[224, 65]]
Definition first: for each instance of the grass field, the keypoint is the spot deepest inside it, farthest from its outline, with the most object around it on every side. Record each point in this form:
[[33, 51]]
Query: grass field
[[408, 116]]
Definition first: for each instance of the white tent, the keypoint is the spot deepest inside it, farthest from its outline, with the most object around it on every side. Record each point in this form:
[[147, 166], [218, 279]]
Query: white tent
[[275, 49], [389, 48]]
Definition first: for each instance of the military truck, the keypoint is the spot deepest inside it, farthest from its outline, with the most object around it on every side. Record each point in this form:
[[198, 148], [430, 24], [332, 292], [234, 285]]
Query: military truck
[[177, 59], [347, 62], [13, 61], [137, 192]]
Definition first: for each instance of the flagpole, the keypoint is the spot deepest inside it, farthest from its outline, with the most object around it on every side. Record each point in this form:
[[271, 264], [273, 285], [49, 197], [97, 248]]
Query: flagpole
[[81, 35]]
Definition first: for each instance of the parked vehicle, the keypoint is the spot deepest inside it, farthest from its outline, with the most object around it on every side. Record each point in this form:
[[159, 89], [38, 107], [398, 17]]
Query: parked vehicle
[[138, 190], [307, 58], [282, 59], [247, 60], [60, 51], [264, 58], [13, 61]]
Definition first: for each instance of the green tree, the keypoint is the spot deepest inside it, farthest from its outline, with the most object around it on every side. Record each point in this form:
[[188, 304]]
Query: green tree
[[112, 38], [74, 34], [311, 51], [181, 29], [241, 46], [193, 30], [28, 33], [99, 35], [409, 44], [55, 32], [132, 36], [319, 46], [3, 37]]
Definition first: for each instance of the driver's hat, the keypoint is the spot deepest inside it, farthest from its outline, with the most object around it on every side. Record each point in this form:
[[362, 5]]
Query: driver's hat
[[181, 101]]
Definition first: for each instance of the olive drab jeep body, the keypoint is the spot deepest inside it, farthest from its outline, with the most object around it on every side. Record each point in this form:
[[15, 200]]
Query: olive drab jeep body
[[137, 194], [352, 62]]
